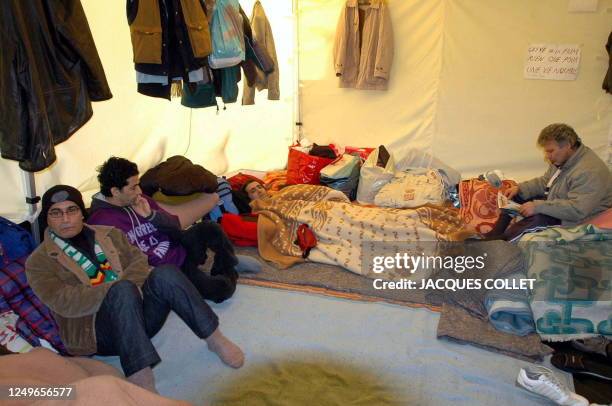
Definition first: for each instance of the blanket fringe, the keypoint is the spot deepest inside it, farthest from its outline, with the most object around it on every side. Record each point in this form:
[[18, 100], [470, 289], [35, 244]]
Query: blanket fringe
[[558, 338], [333, 293]]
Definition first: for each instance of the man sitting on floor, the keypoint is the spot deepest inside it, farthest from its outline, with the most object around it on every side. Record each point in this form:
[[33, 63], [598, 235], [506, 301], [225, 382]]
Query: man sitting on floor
[[105, 297], [576, 186], [160, 235]]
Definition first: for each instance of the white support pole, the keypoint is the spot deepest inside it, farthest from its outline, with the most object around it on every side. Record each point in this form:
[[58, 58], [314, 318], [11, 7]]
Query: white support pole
[[29, 188], [297, 111]]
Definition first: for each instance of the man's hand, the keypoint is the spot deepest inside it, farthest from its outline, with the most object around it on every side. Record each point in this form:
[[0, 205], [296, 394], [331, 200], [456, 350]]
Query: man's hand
[[511, 192], [141, 206], [528, 209]]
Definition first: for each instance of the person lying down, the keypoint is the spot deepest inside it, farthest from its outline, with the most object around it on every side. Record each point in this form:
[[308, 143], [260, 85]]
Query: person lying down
[[340, 227]]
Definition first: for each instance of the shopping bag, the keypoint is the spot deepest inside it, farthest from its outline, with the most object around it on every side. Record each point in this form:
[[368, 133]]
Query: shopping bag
[[373, 177]]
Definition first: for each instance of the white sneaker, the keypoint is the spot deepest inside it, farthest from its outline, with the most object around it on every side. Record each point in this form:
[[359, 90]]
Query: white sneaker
[[541, 380]]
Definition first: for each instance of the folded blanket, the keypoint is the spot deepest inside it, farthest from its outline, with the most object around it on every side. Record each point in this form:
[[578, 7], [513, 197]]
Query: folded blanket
[[572, 296], [509, 310], [506, 309], [503, 261], [459, 325]]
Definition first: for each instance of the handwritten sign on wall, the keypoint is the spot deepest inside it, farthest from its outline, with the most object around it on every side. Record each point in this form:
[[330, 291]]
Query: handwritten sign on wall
[[552, 61]]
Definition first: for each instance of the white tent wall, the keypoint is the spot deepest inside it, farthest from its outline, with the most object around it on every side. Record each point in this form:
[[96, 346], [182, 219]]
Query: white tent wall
[[147, 130], [457, 87], [489, 116], [403, 114], [456, 90]]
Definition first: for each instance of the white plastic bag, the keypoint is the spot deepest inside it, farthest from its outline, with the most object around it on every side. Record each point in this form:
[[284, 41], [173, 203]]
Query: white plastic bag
[[372, 178], [341, 167], [413, 188]]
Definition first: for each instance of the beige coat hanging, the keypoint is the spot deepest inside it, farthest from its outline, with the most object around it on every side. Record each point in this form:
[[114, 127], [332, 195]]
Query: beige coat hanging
[[363, 48]]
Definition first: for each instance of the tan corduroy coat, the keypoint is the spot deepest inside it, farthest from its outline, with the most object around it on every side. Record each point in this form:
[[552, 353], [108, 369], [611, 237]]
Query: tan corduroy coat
[[363, 48], [65, 288]]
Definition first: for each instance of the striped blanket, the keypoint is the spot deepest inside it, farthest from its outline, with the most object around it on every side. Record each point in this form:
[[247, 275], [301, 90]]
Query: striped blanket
[[572, 296], [342, 227]]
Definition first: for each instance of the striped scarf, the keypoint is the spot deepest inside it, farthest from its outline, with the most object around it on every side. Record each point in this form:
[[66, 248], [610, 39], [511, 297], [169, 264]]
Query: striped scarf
[[97, 274]]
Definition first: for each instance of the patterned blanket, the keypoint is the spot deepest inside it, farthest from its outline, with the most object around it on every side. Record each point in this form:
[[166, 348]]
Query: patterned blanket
[[572, 295], [35, 319], [342, 227]]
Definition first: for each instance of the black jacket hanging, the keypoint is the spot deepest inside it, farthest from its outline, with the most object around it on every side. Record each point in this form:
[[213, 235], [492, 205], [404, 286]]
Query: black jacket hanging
[[50, 71]]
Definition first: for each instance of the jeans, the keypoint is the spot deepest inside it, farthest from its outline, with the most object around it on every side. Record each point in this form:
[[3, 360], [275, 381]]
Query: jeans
[[503, 232], [127, 320], [221, 283]]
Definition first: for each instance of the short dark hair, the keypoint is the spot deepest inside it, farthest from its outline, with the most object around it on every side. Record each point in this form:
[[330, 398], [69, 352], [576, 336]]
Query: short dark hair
[[115, 173], [248, 182], [562, 134]]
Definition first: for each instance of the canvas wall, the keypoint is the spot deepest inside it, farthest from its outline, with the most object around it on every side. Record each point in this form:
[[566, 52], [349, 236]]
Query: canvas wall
[[456, 90], [457, 86], [147, 130]]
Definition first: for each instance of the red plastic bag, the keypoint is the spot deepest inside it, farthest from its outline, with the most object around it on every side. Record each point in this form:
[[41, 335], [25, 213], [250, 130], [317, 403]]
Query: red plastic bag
[[306, 239], [362, 152], [304, 168]]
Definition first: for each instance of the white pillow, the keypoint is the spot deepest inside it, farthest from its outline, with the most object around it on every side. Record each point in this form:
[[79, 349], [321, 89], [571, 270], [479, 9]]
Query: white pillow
[[412, 189]]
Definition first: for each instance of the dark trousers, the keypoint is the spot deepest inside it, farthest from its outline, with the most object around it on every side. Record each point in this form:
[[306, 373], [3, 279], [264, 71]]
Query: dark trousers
[[221, 283], [502, 231], [127, 320]]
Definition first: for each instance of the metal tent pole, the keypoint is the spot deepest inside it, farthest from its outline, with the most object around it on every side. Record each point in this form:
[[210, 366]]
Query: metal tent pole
[[29, 187], [297, 111]]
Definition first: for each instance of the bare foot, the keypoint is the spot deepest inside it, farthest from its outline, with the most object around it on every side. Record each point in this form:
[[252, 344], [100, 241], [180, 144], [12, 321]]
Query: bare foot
[[227, 351], [144, 378]]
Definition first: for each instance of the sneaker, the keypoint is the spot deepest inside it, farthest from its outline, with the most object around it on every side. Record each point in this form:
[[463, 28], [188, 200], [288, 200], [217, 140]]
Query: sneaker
[[542, 381]]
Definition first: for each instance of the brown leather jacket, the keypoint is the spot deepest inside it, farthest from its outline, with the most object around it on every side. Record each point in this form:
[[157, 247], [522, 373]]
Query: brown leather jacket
[[65, 288], [50, 71]]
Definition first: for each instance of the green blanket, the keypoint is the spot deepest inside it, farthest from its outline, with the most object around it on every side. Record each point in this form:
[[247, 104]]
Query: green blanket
[[572, 295]]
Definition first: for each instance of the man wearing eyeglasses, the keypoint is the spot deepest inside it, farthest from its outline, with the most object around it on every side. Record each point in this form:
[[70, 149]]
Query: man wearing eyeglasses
[[576, 187], [106, 298]]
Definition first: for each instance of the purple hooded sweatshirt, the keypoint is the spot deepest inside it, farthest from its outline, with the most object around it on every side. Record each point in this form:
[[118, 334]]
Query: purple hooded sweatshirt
[[156, 235]]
